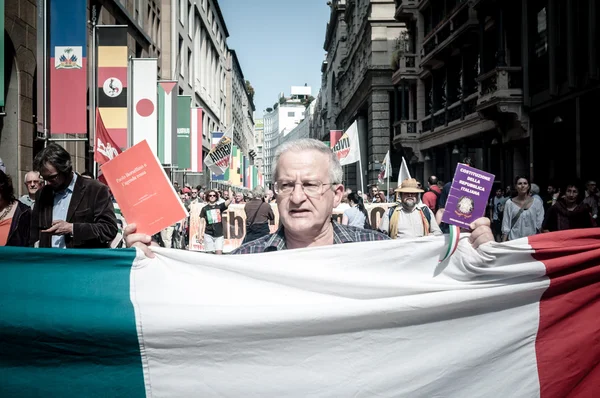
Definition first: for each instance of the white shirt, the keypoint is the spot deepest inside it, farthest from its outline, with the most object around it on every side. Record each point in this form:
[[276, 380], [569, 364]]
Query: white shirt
[[410, 223]]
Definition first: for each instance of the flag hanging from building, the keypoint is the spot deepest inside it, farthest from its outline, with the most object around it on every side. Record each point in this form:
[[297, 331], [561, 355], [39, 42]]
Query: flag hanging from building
[[112, 62], [184, 141], [105, 148], [219, 157], [167, 122], [254, 177], [215, 137], [196, 134], [234, 168], [68, 66], [2, 83], [404, 173], [144, 92], [347, 148], [516, 320], [386, 168], [334, 136]]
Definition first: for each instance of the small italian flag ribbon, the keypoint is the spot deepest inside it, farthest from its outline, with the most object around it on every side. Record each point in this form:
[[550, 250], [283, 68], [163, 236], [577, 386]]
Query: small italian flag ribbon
[[452, 242]]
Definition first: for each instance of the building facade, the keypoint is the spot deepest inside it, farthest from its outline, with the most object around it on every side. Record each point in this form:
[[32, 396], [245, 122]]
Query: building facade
[[279, 121], [357, 79], [20, 140], [259, 142], [241, 107], [561, 84], [303, 129], [458, 89], [199, 64]]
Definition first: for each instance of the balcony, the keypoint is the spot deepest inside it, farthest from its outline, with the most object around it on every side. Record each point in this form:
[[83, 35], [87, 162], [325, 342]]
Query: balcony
[[500, 86], [461, 20], [453, 114], [407, 68], [407, 9], [406, 131]]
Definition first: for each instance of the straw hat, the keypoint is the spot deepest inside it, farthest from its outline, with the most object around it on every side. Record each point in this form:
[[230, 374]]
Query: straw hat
[[409, 185]]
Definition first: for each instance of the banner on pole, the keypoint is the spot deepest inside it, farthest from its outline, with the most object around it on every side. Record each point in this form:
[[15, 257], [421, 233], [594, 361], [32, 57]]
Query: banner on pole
[[196, 133], [219, 158], [112, 63], [68, 67], [144, 119], [184, 142], [167, 122], [347, 148]]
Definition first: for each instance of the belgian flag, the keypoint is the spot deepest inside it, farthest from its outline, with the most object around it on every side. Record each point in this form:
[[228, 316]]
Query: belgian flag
[[112, 62]]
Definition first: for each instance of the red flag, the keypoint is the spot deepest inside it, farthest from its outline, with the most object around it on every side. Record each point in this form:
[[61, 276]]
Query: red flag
[[105, 148]]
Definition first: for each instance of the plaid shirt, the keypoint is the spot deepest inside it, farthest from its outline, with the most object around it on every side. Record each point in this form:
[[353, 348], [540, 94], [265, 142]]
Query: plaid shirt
[[341, 234]]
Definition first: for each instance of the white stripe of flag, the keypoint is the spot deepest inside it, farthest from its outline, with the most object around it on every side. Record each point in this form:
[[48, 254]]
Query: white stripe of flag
[[196, 134], [144, 122]]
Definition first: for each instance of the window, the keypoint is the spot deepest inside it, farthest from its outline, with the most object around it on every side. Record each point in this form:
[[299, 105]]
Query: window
[[190, 19], [190, 66], [181, 55], [182, 9], [291, 114]]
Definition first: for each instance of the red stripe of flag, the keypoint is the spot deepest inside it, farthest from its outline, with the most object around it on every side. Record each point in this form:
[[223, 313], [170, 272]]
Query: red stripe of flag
[[568, 339], [68, 99]]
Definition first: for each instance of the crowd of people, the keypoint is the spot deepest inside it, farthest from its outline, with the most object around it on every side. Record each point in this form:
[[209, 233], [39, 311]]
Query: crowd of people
[[63, 209]]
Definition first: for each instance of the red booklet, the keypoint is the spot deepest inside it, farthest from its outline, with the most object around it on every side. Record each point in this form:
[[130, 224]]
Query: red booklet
[[142, 189]]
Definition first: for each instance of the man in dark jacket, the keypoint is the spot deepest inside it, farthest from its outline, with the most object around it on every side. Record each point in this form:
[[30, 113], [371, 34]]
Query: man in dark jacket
[[70, 211]]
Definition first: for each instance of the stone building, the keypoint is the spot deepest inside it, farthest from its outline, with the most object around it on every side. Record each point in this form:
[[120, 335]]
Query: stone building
[[241, 107], [458, 88], [357, 79], [199, 63], [19, 137], [561, 83]]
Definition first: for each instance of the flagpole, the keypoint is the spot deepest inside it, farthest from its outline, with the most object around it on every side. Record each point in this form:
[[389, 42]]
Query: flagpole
[[388, 171], [94, 91]]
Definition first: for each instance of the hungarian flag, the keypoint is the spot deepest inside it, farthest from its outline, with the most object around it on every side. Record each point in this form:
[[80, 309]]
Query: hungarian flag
[[518, 319]]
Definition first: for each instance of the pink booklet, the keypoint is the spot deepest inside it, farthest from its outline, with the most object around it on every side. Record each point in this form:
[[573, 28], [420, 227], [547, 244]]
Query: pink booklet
[[142, 189]]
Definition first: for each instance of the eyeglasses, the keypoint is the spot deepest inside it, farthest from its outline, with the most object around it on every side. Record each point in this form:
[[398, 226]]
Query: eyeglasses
[[52, 177], [212, 195], [310, 188]]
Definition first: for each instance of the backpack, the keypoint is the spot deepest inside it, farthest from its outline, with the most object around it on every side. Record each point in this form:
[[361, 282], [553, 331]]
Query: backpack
[[426, 211], [437, 198]]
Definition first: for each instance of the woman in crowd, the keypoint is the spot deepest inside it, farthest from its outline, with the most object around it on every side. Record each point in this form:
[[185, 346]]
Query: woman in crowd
[[15, 216], [258, 215], [356, 215], [523, 215], [569, 212]]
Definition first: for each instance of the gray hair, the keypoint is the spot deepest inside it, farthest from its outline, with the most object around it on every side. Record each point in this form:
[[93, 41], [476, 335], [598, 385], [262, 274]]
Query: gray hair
[[309, 144], [258, 192], [29, 172], [535, 189]]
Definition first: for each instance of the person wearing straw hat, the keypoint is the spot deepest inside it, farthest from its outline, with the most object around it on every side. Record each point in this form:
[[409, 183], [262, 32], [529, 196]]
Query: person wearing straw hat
[[410, 218]]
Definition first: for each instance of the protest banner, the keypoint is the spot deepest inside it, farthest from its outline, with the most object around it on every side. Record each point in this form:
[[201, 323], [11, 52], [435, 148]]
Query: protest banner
[[234, 223]]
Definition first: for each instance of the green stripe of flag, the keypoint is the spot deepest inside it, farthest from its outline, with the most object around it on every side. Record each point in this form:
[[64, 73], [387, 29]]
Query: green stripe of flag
[[68, 329]]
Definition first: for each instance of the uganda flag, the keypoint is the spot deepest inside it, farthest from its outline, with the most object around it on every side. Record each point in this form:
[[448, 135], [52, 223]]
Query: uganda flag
[[112, 80]]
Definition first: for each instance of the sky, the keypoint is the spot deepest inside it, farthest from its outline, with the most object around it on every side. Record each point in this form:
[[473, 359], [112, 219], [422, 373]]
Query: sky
[[279, 44]]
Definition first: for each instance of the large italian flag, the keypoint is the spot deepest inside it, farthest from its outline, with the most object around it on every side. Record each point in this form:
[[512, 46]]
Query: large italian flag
[[374, 319]]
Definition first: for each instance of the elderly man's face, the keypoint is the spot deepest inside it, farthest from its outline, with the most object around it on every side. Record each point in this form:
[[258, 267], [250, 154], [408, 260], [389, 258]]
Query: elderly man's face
[[300, 213], [409, 199], [33, 182], [269, 195]]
